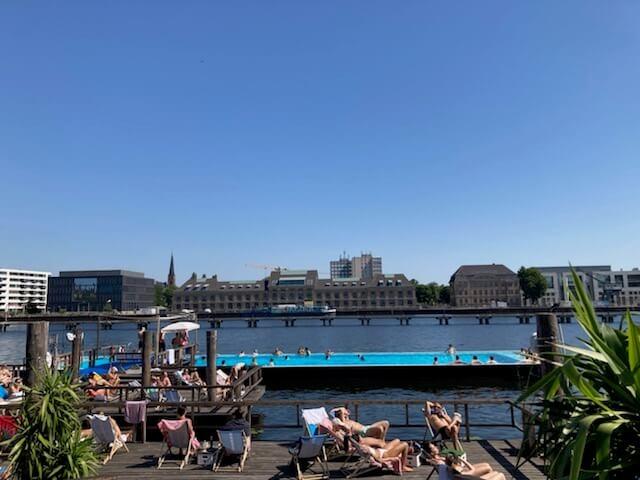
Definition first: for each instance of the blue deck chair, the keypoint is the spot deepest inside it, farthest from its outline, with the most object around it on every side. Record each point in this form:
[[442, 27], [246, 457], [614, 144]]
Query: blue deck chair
[[308, 456]]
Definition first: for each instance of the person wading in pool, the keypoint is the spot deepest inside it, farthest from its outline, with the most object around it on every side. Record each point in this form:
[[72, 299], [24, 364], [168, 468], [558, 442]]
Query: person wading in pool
[[342, 421]]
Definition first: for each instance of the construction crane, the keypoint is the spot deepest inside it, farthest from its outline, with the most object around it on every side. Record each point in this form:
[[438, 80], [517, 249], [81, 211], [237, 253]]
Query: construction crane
[[269, 268], [266, 268]]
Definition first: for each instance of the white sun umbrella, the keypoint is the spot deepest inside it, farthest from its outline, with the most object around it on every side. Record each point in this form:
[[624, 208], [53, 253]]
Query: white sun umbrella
[[182, 327]]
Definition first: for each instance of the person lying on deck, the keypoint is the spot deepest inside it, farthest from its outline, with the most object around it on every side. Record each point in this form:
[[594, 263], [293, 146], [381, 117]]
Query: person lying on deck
[[451, 466], [443, 424], [382, 450], [112, 377], [94, 391], [341, 421]]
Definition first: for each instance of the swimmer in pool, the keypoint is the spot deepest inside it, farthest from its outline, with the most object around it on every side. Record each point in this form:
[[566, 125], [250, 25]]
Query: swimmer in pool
[[492, 361], [435, 360], [458, 361], [475, 360]]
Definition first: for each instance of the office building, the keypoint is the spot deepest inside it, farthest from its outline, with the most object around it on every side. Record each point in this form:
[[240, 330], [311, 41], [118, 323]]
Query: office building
[[604, 285], [21, 287], [96, 290], [484, 286], [300, 287], [363, 267]]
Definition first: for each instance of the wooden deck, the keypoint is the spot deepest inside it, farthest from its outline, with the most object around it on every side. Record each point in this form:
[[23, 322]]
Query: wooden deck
[[270, 460]]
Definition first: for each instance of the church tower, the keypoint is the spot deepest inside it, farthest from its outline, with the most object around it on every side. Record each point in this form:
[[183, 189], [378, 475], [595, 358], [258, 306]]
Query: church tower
[[171, 278]]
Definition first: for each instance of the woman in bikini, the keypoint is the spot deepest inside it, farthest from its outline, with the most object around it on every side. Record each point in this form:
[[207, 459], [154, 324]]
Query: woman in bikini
[[381, 450], [443, 424], [375, 430], [460, 466]]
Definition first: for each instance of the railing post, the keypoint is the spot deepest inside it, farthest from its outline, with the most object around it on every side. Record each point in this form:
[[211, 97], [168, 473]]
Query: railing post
[[466, 420], [76, 353], [147, 350], [37, 341], [406, 414], [211, 376]]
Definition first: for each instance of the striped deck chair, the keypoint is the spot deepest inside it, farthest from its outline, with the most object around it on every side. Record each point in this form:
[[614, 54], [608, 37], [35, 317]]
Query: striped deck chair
[[178, 434], [106, 436], [233, 443], [367, 463]]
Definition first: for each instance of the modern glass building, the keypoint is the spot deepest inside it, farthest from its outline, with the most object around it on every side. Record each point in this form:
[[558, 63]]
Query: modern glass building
[[95, 290]]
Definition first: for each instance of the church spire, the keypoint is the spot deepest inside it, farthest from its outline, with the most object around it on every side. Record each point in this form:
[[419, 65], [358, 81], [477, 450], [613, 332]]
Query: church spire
[[171, 278]]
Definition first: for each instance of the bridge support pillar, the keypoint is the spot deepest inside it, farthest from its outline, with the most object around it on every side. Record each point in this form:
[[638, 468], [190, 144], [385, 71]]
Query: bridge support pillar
[[327, 321], [215, 323], [364, 321], [483, 319]]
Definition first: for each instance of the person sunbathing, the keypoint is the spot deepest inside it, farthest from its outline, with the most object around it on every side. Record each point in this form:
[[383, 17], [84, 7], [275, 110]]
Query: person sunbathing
[[342, 421], [480, 470], [112, 377], [455, 469], [442, 423], [381, 450], [181, 414], [94, 391]]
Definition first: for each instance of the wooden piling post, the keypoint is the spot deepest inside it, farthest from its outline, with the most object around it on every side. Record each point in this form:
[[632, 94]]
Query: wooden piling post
[[76, 353], [37, 341], [147, 352], [211, 376], [547, 335]]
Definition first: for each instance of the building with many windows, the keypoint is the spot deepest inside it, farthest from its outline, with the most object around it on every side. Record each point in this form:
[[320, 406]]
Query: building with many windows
[[484, 286], [96, 290], [365, 266], [21, 287], [300, 287], [604, 285]]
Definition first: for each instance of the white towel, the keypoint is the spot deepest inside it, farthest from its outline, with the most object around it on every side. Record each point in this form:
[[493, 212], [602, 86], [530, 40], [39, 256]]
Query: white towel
[[171, 356]]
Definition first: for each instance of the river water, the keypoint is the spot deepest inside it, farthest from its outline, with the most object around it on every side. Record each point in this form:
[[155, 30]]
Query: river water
[[383, 335]]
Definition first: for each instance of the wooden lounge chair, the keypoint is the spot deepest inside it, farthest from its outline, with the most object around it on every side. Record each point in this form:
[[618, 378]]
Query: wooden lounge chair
[[233, 443], [307, 454], [106, 435], [176, 434], [366, 463]]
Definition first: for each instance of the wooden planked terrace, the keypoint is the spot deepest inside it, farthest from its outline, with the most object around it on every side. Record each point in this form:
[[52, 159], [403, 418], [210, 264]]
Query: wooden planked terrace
[[270, 461]]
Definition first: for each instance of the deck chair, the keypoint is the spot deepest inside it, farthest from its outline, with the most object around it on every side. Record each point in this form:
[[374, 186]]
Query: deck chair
[[307, 454], [232, 443], [105, 435], [172, 396], [176, 433], [316, 421], [367, 463], [428, 431]]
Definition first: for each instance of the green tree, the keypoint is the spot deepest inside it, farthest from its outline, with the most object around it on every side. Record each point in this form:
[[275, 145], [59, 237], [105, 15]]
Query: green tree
[[107, 307], [532, 283], [158, 295], [588, 410], [48, 443], [444, 295], [168, 295]]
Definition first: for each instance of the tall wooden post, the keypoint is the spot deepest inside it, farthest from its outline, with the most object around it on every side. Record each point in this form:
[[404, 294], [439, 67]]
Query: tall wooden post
[[548, 335], [37, 342], [76, 353], [147, 351], [212, 345]]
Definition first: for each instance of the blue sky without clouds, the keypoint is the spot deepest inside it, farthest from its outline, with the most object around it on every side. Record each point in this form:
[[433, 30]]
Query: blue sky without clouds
[[284, 132]]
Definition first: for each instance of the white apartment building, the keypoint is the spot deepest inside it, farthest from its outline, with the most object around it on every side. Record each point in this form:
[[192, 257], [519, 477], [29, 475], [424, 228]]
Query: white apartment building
[[19, 287]]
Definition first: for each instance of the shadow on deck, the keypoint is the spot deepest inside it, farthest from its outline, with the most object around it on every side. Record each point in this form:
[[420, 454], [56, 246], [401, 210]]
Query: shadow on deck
[[270, 461]]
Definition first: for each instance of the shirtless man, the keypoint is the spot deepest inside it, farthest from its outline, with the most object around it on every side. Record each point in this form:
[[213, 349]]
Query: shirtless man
[[342, 421], [442, 423]]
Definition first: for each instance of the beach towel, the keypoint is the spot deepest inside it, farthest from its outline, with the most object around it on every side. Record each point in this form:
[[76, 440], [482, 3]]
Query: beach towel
[[171, 356], [176, 434], [135, 412]]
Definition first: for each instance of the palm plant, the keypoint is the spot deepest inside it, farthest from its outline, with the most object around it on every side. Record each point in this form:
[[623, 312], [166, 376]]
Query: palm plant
[[48, 443], [588, 415]]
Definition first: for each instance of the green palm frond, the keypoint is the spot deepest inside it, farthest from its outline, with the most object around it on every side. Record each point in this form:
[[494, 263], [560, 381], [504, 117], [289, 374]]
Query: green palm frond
[[588, 420]]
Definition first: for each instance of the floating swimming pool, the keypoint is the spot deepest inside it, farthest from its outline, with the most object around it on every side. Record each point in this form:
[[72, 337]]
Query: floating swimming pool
[[347, 359]]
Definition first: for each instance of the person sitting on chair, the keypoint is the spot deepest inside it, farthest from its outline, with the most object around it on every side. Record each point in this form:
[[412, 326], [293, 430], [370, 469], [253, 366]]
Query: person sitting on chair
[[459, 466], [342, 421], [443, 424], [181, 414]]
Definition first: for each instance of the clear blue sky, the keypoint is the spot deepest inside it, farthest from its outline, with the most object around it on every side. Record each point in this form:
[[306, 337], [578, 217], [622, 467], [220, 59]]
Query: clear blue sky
[[284, 132]]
